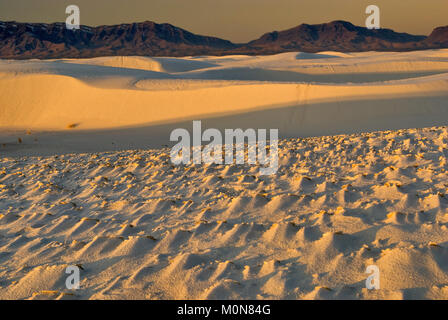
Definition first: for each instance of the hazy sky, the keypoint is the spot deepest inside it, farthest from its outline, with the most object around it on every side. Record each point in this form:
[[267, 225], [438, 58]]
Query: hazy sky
[[236, 20]]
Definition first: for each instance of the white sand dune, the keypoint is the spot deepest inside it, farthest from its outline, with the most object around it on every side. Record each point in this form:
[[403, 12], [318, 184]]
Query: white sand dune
[[168, 65], [360, 182]]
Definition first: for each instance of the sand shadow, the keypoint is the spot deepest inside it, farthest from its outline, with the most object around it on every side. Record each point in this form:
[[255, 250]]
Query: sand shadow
[[318, 119]]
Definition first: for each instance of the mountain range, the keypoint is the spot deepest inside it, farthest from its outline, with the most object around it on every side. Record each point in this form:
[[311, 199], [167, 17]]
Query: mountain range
[[46, 41]]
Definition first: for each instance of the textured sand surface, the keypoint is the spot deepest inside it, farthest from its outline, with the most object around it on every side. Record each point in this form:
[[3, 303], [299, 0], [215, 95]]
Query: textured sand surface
[[142, 228], [86, 178]]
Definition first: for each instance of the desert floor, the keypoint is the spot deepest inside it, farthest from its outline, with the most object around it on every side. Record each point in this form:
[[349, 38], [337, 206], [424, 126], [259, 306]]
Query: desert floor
[[86, 178]]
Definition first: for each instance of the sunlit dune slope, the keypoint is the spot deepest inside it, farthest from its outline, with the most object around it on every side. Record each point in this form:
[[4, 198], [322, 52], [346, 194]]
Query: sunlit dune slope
[[115, 92]]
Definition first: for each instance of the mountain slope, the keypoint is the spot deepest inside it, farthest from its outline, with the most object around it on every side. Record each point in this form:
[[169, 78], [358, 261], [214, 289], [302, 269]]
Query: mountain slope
[[438, 38], [335, 36], [28, 40]]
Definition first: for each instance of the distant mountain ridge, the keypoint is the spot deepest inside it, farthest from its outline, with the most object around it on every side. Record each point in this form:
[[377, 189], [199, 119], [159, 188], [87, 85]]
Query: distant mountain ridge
[[336, 36], [38, 40], [46, 41]]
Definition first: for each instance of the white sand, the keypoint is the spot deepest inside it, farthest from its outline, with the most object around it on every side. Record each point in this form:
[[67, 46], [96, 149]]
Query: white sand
[[142, 228]]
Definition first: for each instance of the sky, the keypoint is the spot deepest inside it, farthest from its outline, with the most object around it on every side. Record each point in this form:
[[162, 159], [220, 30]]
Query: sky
[[235, 20]]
